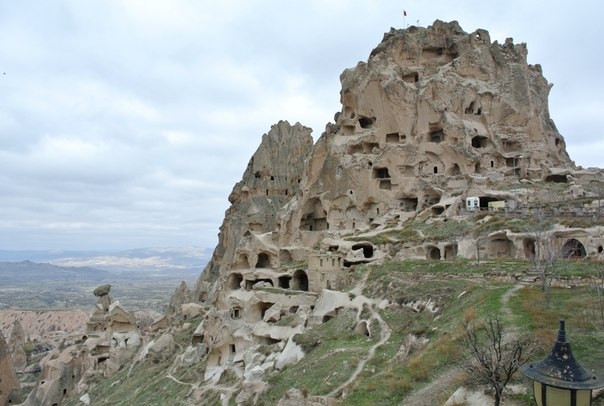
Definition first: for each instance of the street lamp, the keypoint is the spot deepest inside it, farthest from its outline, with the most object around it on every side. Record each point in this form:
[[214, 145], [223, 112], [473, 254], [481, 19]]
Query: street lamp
[[559, 380]]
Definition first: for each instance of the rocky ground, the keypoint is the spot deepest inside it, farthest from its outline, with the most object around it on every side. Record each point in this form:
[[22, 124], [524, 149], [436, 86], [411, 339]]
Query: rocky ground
[[43, 324]]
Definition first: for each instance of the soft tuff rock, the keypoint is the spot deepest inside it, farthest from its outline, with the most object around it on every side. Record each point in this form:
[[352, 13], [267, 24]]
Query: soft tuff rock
[[9, 385], [110, 339], [436, 120]]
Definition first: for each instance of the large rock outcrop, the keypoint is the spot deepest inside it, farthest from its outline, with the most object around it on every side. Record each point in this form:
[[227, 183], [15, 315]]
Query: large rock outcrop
[[111, 338], [16, 344], [9, 385], [436, 125], [436, 113], [272, 177]]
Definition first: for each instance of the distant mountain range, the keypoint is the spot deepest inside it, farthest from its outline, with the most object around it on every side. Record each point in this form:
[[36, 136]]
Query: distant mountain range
[[141, 278], [26, 271], [148, 259]]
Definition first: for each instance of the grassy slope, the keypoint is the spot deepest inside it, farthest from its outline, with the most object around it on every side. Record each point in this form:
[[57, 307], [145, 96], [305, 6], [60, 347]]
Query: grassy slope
[[399, 367], [397, 370]]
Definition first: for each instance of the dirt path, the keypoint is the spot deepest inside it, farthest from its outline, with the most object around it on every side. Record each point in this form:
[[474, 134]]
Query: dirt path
[[433, 393], [200, 387], [385, 333], [505, 298]]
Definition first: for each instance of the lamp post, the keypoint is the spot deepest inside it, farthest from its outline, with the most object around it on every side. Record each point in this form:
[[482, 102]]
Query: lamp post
[[559, 380]]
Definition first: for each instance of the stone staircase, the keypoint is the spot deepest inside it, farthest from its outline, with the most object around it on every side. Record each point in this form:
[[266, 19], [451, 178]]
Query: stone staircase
[[529, 278]]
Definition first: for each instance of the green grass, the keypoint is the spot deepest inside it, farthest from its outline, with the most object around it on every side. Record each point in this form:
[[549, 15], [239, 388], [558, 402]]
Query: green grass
[[147, 383], [389, 377], [397, 369], [578, 306], [333, 349], [564, 268], [458, 267]]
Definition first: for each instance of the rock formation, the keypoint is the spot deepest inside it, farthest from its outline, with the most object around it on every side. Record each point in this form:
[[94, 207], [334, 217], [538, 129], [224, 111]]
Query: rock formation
[[439, 128], [110, 340], [9, 385], [38, 325], [272, 177], [102, 292], [437, 124], [112, 333], [435, 115], [16, 343]]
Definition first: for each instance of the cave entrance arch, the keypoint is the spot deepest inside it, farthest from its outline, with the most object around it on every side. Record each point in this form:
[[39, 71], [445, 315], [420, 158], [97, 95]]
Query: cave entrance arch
[[433, 253], [315, 216], [500, 247], [284, 281], [299, 280], [573, 248], [263, 261], [557, 179], [450, 251], [528, 246], [367, 249], [455, 170], [249, 284], [480, 141], [234, 281]]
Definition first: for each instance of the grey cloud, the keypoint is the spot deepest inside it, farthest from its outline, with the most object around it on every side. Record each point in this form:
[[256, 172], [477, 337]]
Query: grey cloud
[[126, 124]]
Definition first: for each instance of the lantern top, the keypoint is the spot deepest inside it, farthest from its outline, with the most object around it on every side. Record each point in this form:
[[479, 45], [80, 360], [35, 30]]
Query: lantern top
[[560, 369]]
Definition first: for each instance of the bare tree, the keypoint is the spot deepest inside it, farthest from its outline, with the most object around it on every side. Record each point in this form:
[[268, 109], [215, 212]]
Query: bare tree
[[598, 289], [475, 234], [454, 231], [493, 359], [548, 250], [478, 240]]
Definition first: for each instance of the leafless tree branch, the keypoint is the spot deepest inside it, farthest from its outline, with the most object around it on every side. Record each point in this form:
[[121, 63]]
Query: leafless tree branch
[[492, 359]]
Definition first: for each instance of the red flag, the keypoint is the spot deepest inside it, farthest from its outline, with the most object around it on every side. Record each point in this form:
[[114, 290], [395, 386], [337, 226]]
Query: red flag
[[405, 13]]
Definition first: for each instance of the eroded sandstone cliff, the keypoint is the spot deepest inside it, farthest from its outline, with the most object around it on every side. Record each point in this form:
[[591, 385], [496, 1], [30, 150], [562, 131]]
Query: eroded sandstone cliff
[[436, 113], [444, 148], [436, 125]]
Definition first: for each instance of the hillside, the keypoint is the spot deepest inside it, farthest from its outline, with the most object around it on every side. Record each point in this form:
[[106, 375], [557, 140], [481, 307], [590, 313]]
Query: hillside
[[144, 278], [395, 343], [345, 268]]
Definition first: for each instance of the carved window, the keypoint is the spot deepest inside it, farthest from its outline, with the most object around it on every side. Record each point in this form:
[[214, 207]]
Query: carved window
[[366, 122], [381, 173], [437, 136]]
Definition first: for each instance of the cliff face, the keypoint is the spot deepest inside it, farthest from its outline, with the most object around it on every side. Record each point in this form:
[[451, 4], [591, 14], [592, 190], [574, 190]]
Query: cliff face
[[435, 113], [440, 132], [436, 116], [271, 179]]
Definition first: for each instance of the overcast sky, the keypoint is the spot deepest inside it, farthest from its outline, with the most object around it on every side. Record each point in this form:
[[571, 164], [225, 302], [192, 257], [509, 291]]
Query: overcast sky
[[125, 124]]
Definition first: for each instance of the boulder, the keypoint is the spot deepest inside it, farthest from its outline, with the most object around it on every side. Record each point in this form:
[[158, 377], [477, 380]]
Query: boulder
[[191, 310], [102, 290], [162, 348]]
